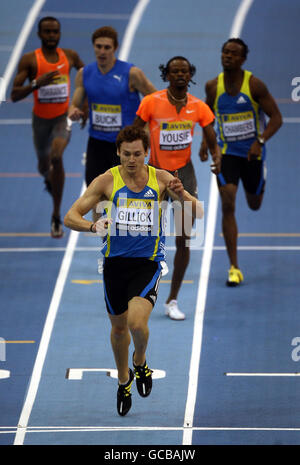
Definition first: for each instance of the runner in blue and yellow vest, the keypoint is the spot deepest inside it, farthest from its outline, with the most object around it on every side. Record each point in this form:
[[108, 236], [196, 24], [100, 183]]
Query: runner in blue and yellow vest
[[133, 249], [240, 102]]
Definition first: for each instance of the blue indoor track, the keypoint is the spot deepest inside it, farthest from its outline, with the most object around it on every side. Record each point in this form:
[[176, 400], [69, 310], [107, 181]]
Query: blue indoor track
[[229, 372]]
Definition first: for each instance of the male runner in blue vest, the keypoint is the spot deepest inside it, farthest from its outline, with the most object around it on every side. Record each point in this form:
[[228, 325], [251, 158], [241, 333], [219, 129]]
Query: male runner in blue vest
[[112, 88], [240, 102], [133, 249]]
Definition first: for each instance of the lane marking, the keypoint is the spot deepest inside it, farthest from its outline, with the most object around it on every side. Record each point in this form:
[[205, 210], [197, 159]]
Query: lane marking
[[35, 175], [236, 29], [216, 248], [97, 281], [77, 373], [4, 374], [16, 342], [45, 339], [262, 374], [266, 234], [28, 121], [22, 38], [80, 429]]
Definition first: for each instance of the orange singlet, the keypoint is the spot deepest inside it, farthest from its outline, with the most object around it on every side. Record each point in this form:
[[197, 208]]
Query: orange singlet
[[52, 100], [171, 133]]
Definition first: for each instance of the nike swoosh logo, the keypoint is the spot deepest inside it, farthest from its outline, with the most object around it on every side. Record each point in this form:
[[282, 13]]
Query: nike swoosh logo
[[190, 111]]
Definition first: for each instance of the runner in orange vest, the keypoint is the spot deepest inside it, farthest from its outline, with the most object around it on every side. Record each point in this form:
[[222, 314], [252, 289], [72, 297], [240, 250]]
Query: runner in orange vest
[[48, 70], [172, 114]]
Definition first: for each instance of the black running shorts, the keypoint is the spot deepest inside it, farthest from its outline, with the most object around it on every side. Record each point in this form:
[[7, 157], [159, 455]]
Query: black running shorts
[[252, 173], [125, 278], [100, 157]]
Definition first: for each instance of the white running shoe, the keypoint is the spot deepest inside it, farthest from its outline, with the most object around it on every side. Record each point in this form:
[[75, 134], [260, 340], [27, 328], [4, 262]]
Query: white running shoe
[[173, 312]]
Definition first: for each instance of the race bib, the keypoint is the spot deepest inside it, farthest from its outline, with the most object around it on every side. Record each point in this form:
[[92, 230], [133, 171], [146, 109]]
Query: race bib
[[238, 126], [107, 118], [57, 92], [176, 135], [135, 214]]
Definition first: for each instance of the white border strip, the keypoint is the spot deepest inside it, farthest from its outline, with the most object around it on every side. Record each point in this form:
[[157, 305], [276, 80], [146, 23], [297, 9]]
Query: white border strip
[[41, 355], [82, 429], [205, 270]]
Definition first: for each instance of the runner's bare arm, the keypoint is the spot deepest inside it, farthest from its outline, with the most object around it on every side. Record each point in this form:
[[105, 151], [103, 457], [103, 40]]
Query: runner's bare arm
[[211, 141], [75, 110], [138, 81], [261, 94], [27, 70], [99, 189], [172, 186], [210, 91], [139, 122]]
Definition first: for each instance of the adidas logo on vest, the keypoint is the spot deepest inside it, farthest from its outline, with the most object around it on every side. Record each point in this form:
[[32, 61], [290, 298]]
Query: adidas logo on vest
[[241, 100], [149, 193]]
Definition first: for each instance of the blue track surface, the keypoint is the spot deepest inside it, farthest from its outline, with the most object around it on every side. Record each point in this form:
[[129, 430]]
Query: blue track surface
[[245, 330]]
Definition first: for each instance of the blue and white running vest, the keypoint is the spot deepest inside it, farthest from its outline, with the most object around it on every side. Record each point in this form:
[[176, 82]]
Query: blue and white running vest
[[111, 104], [240, 120], [137, 228]]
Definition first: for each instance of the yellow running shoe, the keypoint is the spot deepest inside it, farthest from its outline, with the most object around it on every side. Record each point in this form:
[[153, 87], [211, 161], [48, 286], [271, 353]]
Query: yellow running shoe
[[235, 277]]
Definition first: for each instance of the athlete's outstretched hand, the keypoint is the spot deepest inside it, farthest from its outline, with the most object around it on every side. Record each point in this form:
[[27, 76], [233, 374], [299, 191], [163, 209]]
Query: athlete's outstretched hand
[[176, 185]]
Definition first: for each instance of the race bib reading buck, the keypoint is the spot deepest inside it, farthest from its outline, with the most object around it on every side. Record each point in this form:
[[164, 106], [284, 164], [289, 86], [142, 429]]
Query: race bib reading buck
[[57, 92], [238, 126], [176, 135], [107, 118]]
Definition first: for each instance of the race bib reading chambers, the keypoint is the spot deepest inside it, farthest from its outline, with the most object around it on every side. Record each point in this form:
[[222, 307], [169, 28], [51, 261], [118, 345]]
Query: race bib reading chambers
[[107, 118], [238, 126], [176, 135]]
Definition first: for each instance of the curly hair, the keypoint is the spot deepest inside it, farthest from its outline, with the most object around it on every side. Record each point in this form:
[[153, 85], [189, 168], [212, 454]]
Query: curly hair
[[164, 69]]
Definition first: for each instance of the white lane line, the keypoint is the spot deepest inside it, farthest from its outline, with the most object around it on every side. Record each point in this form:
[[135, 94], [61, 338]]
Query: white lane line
[[81, 429], [45, 339], [28, 121], [236, 29], [291, 248], [14, 121], [262, 374], [66, 263], [18, 48]]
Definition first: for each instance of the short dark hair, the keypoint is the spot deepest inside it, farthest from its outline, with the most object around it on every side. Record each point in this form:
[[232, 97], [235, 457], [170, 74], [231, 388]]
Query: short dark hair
[[131, 134], [46, 18], [237, 40], [165, 68], [106, 31]]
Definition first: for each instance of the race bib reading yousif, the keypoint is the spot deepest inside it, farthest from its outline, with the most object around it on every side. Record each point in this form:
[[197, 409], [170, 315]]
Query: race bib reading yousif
[[107, 118], [175, 135], [57, 92]]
